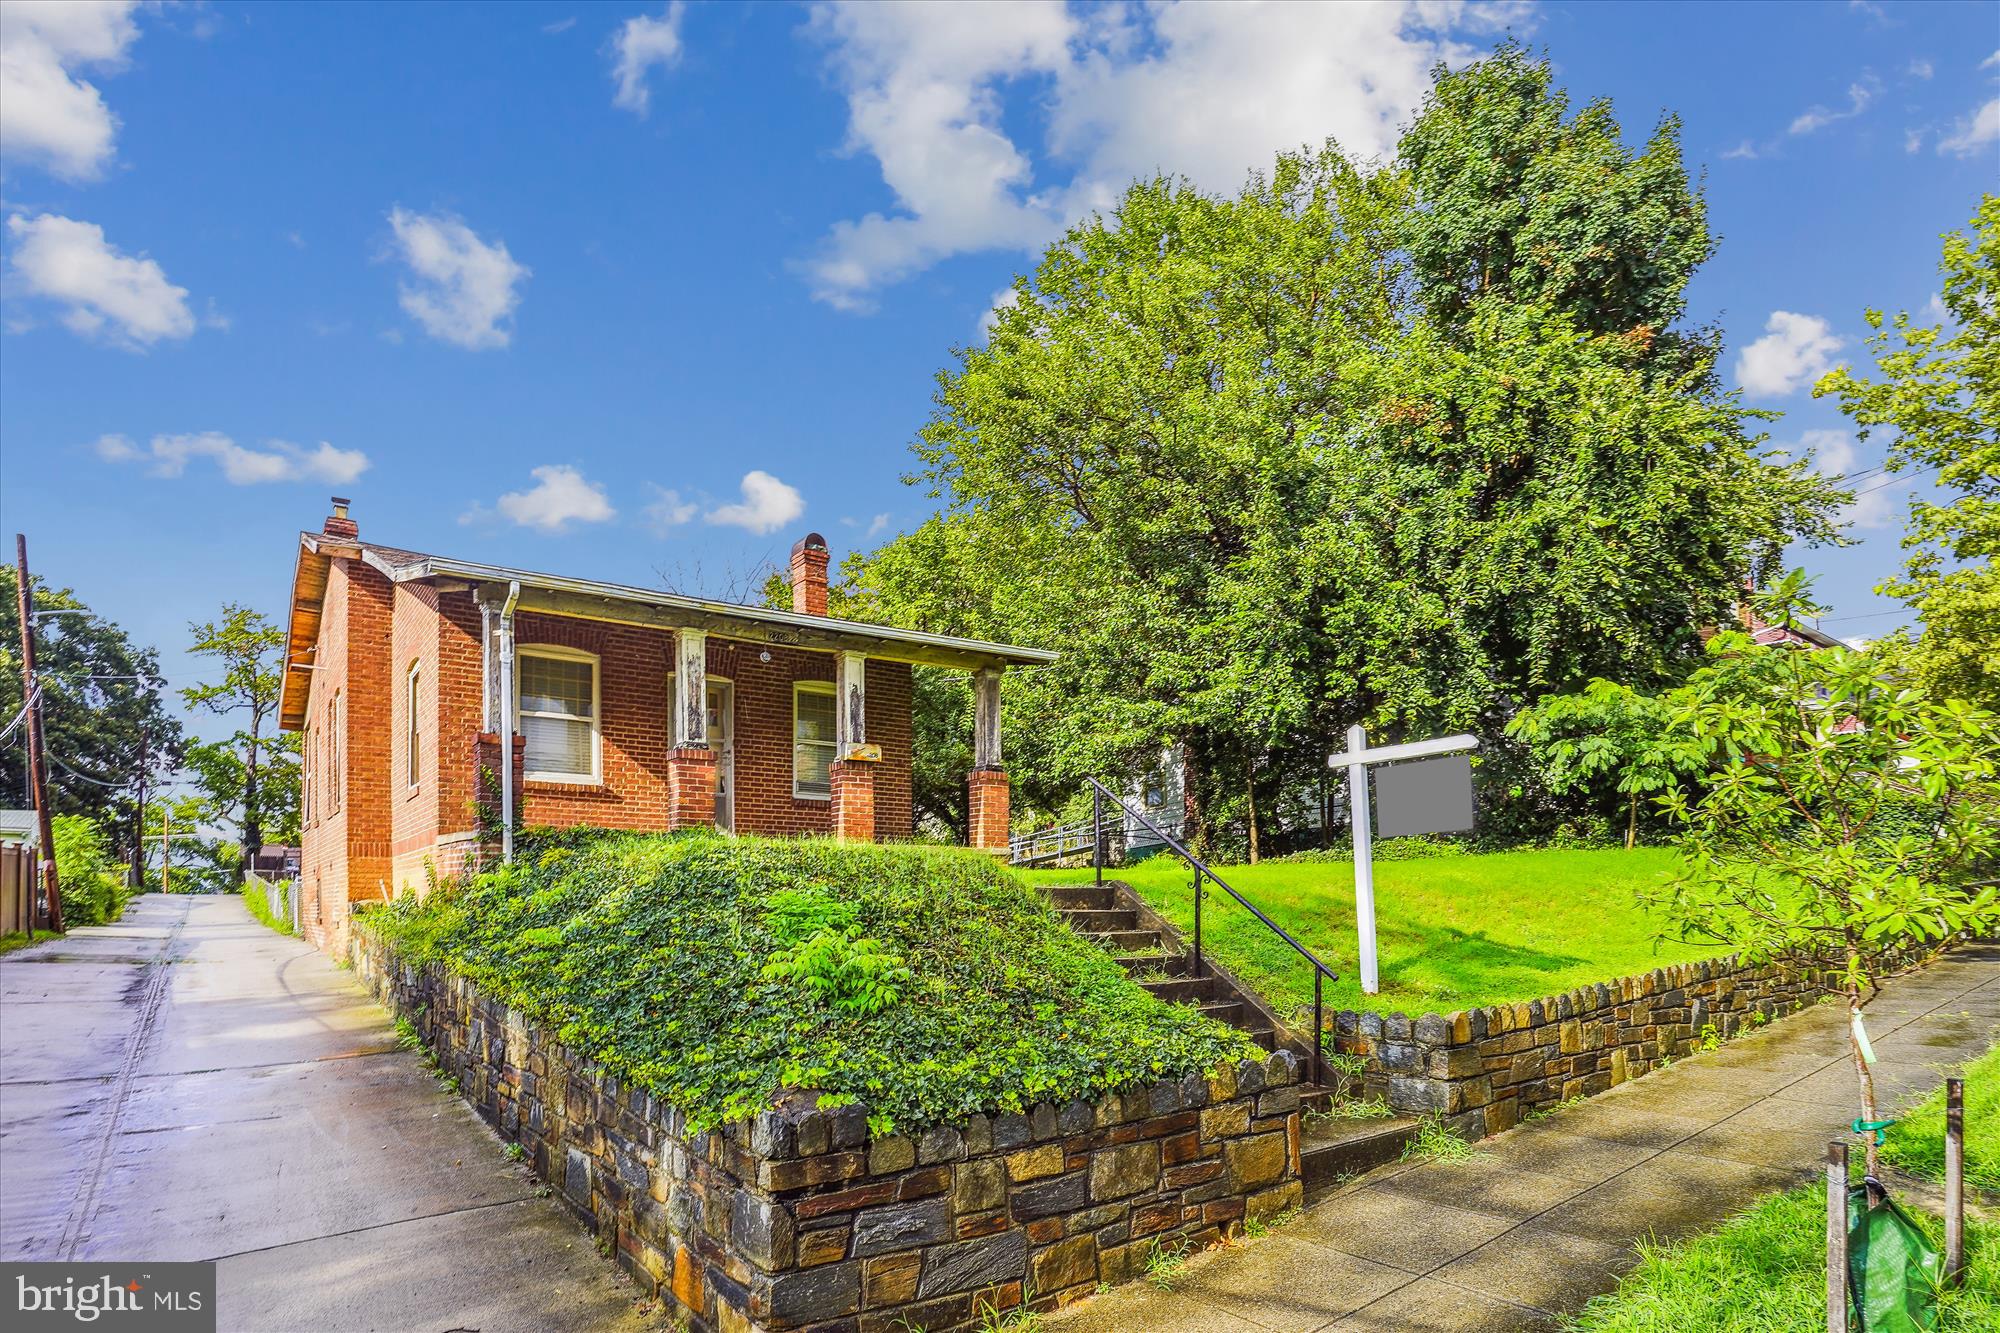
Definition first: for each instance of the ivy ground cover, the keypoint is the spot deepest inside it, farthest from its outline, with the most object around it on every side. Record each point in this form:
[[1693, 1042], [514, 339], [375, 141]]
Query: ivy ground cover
[[926, 984], [1453, 932]]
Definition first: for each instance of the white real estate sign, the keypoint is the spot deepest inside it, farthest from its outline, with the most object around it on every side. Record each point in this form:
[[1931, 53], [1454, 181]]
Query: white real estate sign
[[1357, 759]]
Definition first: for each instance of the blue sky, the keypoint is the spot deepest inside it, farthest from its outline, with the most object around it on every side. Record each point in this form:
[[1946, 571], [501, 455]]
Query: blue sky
[[642, 293]]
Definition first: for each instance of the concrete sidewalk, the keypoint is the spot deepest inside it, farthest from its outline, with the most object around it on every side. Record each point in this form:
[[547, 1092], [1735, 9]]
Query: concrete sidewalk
[[1546, 1218], [186, 1084]]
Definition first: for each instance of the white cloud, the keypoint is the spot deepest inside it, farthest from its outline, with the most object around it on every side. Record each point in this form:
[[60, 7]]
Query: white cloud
[[1974, 134], [1744, 150], [1209, 91], [465, 288], [668, 511], [1004, 299], [768, 504], [1794, 351], [1920, 69], [560, 26], [560, 496], [241, 465], [1834, 454], [105, 294], [642, 43], [876, 527], [52, 116], [1859, 95]]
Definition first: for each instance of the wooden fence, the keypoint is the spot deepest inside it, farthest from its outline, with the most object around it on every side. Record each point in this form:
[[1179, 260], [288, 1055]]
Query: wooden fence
[[17, 888]]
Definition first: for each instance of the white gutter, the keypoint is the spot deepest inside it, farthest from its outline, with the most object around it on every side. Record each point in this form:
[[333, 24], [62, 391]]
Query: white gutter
[[507, 723]]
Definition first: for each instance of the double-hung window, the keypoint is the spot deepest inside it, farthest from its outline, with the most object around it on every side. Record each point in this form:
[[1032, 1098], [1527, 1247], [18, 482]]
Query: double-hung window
[[813, 739], [558, 709], [413, 741]]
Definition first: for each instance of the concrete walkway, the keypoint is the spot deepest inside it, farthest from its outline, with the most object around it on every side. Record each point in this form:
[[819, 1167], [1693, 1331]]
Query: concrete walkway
[[186, 1084], [1546, 1218]]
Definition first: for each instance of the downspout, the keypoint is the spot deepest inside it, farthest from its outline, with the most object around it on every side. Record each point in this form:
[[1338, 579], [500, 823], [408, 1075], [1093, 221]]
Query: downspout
[[507, 723]]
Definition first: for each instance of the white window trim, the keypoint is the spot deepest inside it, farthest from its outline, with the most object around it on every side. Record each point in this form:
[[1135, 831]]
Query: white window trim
[[830, 691], [595, 777], [413, 769]]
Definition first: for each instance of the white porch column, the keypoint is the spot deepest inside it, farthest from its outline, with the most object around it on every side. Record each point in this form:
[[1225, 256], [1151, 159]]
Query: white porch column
[[850, 677], [986, 718], [690, 689]]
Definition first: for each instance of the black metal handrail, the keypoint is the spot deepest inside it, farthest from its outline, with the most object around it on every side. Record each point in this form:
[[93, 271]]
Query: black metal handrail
[[1322, 974]]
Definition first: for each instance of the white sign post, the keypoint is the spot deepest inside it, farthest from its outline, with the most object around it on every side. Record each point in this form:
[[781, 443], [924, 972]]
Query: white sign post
[[1356, 761]]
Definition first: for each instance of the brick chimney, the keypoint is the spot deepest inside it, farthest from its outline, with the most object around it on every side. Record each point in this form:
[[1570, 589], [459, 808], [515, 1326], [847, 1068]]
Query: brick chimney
[[809, 575], [338, 524]]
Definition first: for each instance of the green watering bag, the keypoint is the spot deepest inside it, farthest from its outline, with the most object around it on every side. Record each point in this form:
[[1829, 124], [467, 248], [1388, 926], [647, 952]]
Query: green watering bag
[[1893, 1270]]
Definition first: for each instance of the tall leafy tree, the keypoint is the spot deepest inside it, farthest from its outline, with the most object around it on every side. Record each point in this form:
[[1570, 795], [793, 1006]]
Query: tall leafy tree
[[1937, 391], [1521, 197], [251, 777], [1214, 456], [105, 719]]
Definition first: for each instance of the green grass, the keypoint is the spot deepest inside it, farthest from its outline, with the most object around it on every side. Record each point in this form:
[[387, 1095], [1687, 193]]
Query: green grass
[[1916, 1142], [1453, 932], [926, 984], [18, 939], [1764, 1271], [259, 903]]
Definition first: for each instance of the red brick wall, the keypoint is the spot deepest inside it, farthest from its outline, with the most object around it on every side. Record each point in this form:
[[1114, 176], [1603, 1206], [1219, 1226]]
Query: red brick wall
[[385, 830], [345, 850]]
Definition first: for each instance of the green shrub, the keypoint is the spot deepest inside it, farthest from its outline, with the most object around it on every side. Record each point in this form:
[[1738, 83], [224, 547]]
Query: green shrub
[[927, 984], [257, 898], [91, 883]]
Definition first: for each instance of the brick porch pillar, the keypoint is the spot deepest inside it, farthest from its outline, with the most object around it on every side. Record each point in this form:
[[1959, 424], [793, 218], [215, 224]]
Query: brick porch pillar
[[691, 777], [986, 803], [853, 800]]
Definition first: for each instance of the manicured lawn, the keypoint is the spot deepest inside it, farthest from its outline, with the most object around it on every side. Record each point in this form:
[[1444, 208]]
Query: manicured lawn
[[1916, 1142], [1765, 1271], [1454, 932]]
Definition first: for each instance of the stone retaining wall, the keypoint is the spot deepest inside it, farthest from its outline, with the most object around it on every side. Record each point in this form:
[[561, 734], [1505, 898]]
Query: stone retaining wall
[[1483, 1069], [798, 1220]]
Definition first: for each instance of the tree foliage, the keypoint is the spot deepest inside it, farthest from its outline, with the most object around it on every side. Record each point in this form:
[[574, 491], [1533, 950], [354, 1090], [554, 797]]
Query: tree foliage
[[1938, 391], [1257, 475], [249, 779], [1847, 813], [105, 723], [1608, 735], [1522, 200]]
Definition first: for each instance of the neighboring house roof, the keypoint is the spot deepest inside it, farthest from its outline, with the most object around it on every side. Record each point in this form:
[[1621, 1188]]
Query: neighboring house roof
[[588, 599], [18, 826]]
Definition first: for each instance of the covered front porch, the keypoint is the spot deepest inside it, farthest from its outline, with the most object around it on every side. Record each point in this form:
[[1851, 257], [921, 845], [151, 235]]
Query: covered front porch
[[632, 708]]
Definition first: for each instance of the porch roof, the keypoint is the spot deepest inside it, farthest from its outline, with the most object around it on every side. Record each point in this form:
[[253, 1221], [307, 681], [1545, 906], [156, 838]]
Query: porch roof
[[589, 599]]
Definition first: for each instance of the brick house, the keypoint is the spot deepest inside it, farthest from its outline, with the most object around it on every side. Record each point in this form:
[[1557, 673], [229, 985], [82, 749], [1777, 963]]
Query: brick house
[[628, 708]]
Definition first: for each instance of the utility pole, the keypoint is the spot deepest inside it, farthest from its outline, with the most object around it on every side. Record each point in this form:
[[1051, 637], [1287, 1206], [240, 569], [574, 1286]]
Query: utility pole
[[139, 816], [45, 870]]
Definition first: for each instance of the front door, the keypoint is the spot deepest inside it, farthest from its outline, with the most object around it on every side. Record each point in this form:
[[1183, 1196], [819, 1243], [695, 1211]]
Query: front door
[[722, 736]]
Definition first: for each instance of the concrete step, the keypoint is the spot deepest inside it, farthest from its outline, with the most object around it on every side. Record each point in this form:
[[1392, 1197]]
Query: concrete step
[[1182, 989], [1096, 921], [1138, 964], [1231, 1012], [1127, 941], [1333, 1149], [1263, 1037], [1093, 897]]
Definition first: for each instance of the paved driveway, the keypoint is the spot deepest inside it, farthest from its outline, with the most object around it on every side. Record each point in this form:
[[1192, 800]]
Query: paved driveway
[[187, 1084], [1545, 1219]]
